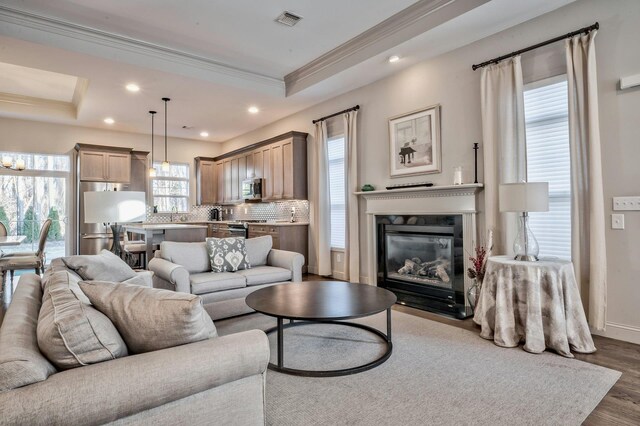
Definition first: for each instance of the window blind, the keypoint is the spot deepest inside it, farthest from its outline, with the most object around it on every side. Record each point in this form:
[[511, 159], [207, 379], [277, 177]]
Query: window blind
[[335, 147], [549, 160]]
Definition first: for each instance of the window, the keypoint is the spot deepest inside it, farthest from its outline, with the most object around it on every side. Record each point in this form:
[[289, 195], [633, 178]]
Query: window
[[548, 160], [31, 196], [171, 189], [337, 191]]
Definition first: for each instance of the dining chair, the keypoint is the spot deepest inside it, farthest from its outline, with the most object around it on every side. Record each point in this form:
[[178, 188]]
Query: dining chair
[[3, 230], [28, 260]]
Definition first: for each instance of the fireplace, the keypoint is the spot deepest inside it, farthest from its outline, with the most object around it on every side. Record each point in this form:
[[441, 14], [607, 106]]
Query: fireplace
[[421, 260]]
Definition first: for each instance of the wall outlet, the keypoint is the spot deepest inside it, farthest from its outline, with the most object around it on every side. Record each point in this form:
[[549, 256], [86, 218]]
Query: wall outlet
[[245, 210], [626, 203], [617, 221], [339, 257]]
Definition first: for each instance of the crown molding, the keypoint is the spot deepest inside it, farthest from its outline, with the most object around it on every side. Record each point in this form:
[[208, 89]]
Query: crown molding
[[19, 104], [404, 25], [49, 25]]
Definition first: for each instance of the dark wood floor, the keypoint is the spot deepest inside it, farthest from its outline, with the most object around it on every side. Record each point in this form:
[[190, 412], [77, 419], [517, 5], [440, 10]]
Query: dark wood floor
[[621, 406]]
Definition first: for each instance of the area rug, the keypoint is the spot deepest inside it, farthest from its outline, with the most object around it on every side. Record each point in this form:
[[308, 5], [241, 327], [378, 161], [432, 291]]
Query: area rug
[[437, 374]]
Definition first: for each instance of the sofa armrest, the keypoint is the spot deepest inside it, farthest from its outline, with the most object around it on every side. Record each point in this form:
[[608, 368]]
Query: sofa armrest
[[289, 260], [175, 276], [105, 392]]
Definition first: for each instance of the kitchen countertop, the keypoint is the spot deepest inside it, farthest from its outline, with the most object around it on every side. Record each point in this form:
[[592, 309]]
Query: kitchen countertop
[[224, 222], [152, 226]]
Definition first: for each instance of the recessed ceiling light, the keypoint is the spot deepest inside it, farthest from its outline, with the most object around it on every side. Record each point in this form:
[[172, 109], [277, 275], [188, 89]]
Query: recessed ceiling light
[[109, 120], [394, 58], [132, 87], [253, 110], [204, 134]]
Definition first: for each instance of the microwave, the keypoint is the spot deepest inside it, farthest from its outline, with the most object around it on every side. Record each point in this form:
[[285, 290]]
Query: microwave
[[252, 189]]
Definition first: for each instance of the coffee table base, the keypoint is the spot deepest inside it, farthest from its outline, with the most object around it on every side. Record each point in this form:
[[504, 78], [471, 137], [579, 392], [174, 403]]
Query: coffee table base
[[329, 373]]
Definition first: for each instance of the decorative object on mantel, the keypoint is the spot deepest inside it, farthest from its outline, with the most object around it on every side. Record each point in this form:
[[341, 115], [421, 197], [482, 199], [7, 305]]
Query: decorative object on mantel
[[475, 164], [414, 142], [477, 270], [408, 185], [165, 164], [523, 198], [367, 187], [457, 175], [152, 169], [7, 163]]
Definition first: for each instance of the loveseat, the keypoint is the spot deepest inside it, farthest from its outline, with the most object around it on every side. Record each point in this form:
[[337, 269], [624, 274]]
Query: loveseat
[[220, 380], [186, 267]]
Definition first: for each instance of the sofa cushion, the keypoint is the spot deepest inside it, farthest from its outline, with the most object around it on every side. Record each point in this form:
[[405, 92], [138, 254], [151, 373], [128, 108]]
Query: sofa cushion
[[192, 256], [71, 333], [208, 282], [265, 275], [103, 266], [53, 275], [227, 254], [258, 249], [21, 362], [150, 319]]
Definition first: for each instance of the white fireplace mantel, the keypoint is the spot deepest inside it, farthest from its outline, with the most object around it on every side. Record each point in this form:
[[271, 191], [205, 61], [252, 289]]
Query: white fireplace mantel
[[449, 199]]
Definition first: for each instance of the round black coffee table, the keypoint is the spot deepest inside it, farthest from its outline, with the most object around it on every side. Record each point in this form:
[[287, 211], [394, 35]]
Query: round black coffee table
[[323, 302]]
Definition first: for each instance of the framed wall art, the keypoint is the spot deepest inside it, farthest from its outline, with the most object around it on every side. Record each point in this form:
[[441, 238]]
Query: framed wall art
[[414, 142]]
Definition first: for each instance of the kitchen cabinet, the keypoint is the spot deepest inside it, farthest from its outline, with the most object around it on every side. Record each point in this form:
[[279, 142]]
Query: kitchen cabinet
[[104, 165], [286, 236], [219, 182], [219, 230], [206, 183], [280, 161]]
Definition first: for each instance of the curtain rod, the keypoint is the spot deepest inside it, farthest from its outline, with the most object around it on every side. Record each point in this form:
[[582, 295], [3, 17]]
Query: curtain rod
[[536, 46], [355, 108]]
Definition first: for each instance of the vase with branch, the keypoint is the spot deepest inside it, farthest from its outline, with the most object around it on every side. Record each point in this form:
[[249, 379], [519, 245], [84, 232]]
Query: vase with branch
[[477, 270]]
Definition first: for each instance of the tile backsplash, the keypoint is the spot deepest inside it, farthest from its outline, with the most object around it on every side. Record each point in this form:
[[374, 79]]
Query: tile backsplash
[[274, 211]]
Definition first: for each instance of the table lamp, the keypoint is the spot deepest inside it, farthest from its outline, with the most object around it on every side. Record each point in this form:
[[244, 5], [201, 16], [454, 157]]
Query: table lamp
[[113, 207], [523, 198]]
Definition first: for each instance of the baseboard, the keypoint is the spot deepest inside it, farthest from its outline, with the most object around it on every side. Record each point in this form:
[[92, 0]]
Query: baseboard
[[628, 333], [339, 275]]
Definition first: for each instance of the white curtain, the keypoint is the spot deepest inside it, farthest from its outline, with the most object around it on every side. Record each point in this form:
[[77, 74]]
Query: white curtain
[[587, 204], [321, 220], [503, 133], [352, 246]]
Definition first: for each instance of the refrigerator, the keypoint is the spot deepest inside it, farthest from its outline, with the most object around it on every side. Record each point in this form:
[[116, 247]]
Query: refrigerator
[[93, 237]]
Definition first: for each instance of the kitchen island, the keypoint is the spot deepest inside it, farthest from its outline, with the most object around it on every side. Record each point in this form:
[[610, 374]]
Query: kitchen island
[[155, 233]]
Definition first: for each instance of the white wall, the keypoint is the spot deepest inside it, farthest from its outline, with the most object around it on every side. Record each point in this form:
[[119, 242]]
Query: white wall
[[47, 138], [448, 80]]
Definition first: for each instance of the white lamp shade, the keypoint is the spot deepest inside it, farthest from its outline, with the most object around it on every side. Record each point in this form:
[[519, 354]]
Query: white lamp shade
[[114, 206], [524, 197]]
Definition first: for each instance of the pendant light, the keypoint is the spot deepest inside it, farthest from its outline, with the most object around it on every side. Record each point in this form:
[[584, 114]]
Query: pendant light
[[152, 169], [165, 164]]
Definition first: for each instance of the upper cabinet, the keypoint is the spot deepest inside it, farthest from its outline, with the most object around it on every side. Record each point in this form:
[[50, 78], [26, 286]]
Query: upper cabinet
[[281, 162], [101, 164], [206, 181]]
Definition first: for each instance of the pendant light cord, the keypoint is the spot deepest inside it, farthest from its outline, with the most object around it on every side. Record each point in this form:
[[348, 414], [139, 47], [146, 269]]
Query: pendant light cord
[[153, 114], [165, 127]]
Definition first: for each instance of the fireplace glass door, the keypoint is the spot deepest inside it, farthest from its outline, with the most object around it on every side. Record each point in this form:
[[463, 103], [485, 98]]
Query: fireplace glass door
[[419, 258]]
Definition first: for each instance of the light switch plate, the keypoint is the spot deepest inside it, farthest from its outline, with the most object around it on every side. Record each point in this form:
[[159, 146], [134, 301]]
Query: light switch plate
[[626, 203], [617, 221]]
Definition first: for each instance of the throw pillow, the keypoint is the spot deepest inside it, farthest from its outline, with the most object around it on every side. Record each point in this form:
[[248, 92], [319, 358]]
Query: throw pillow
[[105, 266], [72, 333], [258, 249], [150, 319], [227, 254]]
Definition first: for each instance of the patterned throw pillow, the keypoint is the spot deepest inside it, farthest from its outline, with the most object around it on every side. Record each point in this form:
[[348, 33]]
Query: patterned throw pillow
[[227, 254]]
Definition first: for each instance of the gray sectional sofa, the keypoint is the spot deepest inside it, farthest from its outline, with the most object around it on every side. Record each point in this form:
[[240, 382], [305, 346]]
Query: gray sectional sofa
[[186, 267], [215, 381]]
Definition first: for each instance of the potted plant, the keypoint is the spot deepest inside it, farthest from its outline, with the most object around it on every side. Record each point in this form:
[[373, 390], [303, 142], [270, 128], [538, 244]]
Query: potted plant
[[477, 270]]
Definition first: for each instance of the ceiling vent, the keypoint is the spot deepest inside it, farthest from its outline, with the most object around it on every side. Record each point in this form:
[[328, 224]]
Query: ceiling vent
[[289, 19]]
